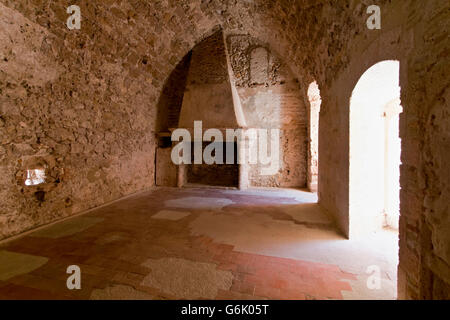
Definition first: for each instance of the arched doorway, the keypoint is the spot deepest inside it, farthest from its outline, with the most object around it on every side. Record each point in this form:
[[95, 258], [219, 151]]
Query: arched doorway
[[375, 150], [313, 152], [234, 82]]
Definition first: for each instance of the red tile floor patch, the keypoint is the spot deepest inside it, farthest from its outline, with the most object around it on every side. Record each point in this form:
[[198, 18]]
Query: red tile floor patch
[[113, 251]]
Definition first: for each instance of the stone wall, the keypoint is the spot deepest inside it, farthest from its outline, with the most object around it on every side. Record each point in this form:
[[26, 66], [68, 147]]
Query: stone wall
[[82, 103], [207, 96], [267, 96], [271, 98], [171, 98], [69, 107], [165, 170], [412, 33]]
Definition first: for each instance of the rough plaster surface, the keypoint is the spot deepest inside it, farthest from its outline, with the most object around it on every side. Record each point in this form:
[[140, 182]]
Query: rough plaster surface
[[206, 203], [166, 170], [119, 292], [67, 108], [208, 96], [13, 264], [67, 228], [170, 215], [21, 39], [187, 279], [82, 104]]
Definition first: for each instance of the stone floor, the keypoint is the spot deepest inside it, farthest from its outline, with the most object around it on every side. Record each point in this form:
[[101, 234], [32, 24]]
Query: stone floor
[[198, 243]]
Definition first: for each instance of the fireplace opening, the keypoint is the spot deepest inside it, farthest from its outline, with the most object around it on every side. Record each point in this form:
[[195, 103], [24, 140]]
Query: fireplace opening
[[216, 174]]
